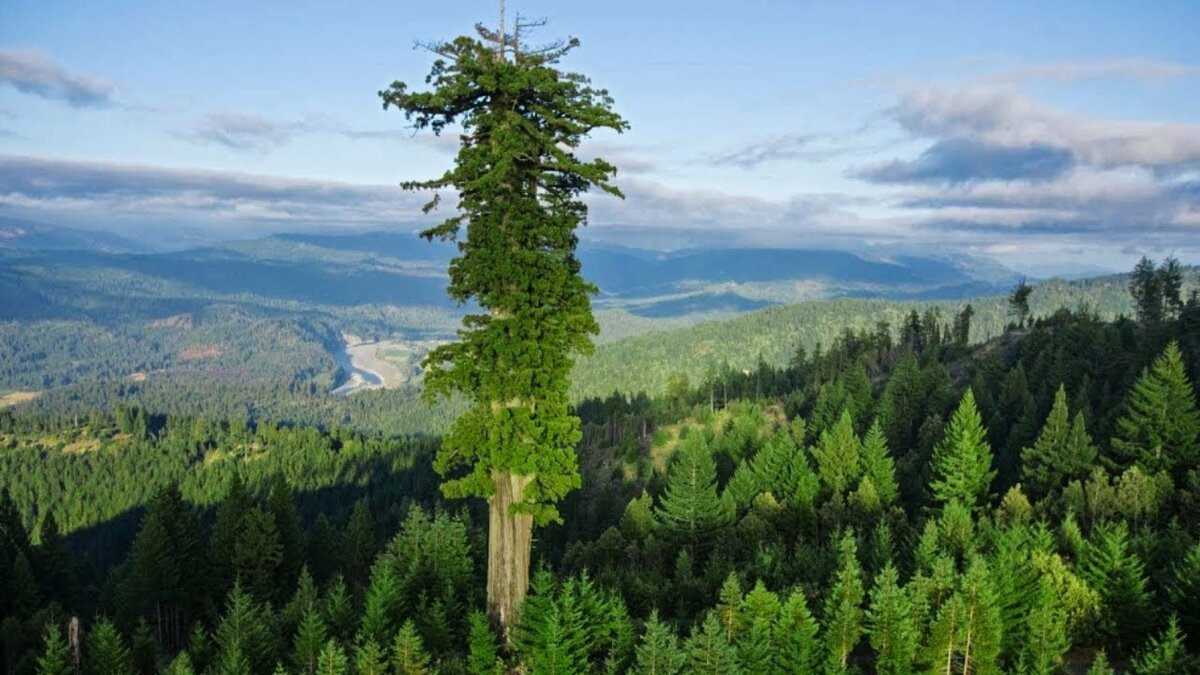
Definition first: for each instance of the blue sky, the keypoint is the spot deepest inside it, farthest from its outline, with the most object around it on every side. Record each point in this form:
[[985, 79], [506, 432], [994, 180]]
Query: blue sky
[[1051, 136]]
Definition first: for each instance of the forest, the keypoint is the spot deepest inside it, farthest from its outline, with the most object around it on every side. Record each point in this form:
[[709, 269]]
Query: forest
[[889, 504]]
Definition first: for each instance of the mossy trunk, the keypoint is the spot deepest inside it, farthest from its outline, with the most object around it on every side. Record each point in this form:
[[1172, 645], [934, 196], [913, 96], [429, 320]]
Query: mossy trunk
[[510, 536]]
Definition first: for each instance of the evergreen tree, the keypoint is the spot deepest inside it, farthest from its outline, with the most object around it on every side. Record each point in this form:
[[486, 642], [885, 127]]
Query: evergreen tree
[[287, 524], [1160, 428], [837, 454], [962, 461], [369, 658], [310, 638], [180, 665], [143, 650], [890, 618], [1164, 655], [54, 563], [709, 652], [1063, 451], [332, 659], [689, 507], [358, 545], [55, 658], [408, 653], [843, 617], [1184, 592], [757, 644], [243, 638], [729, 607], [482, 655], [877, 465], [1046, 634], [519, 184], [105, 652], [257, 554], [1116, 573], [799, 651], [322, 550], [382, 610], [659, 652]]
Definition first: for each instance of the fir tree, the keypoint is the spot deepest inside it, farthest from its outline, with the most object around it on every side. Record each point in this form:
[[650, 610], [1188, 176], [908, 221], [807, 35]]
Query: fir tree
[[798, 651], [243, 638], [1046, 634], [892, 634], [689, 507], [659, 652], [1160, 428], [358, 545], [837, 455], [322, 550], [105, 652], [756, 646], [843, 617], [962, 461], [1164, 655], [482, 655], [1062, 451], [1184, 592], [332, 659], [369, 658], [55, 658], [310, 638], [225, 533], [408, 653], [1116, 573], [287, 524], [143, 650], [729, 607], [338, 610], [381, 611], [709, 652], [878, 466], [180, 665], [1100, 665]]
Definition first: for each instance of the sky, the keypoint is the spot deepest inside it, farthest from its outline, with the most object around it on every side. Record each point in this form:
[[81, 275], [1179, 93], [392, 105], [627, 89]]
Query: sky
[[1053, 137]]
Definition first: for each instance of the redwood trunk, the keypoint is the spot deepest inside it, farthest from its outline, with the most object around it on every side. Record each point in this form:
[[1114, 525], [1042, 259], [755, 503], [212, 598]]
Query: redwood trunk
[[510, 536]]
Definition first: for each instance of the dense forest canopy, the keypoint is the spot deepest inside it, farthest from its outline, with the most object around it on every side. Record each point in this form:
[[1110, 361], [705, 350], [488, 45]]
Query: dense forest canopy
[[1028, 504]]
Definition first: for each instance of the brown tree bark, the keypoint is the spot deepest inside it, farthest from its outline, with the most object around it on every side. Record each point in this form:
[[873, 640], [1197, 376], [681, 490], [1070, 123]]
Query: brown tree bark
[[510, 537]]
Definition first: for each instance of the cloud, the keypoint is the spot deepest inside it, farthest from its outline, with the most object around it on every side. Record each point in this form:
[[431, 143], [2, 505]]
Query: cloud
[[778, 148], [238, 131], [1007, 118], [1079, 71], [962, 160], [33, 73], [127, 193]]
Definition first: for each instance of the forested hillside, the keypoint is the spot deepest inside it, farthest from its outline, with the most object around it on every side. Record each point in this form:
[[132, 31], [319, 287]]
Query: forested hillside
[[1028, 504]]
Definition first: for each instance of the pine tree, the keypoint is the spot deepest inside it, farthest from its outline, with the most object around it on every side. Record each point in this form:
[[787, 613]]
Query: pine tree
[[1117, 574], [962, 462], [659, 652], [358, 545], [55, 658], [180, 665], [798, 651], [225, 532], [878, 466], [322, 550], [756, 646], [243, 640], [708, 650], [482, 655], [143, 650], [338, 611], [287, 523], [310, 638], [689, 507], [837, 455], [1062, 451], [516, 261], [982, 626], [53, 559], [369, 658], [105, 652], [1160, 428], [729, 607], [1164, 655], [383, 606], [257, 554], [332, 659], [843, 617], [1184, 592], [1046, 634], [408, 653], [893, 636]]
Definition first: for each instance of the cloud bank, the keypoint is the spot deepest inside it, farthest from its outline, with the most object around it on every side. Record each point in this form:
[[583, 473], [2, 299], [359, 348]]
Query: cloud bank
[[33, 73]]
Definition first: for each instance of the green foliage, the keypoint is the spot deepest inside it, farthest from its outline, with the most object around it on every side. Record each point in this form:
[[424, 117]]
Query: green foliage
[[890, 621], [54, 659], [843, 617], [1063, 451], [482, 654], [408, 653], [837, 455], [106, 652], [659, 652], [709, 650], [1117, 574], [962, 462], [1164, 655], [1160, 429], [878, 466], [310, 638], [689, 507], [332, 660]]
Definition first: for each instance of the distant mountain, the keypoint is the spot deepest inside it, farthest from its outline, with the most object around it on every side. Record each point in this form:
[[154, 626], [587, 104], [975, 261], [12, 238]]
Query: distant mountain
[[30, 236]]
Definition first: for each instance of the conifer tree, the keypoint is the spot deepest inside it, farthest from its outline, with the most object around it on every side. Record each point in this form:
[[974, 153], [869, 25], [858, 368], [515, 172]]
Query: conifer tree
[[1100, 665], [798, 651], [877, 465], [106, 653], [369, 658], [1184, 592], [287, 523], [843, 617], [519, 184], [332, 659], [729, 607], [225, 532], [54, 659], [143, 650], [338, 611], [1160, 428], [709, 651], [408, 653], [243, 638], [322, 549], [982, 628], [837, 454], [659, 652], [1046, 638], [962, 461], [1117, 574], [310, 638], [180, 665], [1062, 451], [892, 634], [1165, 653], [757, 644], [382, 609], [689, 507], [482, 655], [358, 545], [54, 562], [257, 554]]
